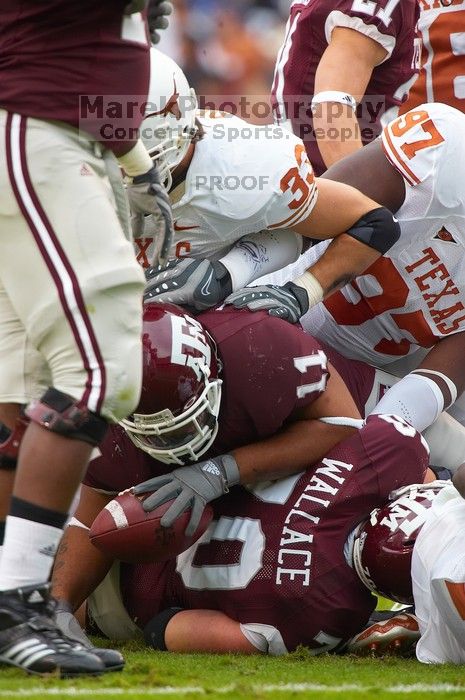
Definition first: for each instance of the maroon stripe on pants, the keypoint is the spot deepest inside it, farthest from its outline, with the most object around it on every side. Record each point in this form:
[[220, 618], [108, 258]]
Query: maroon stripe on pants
[[56, 275]]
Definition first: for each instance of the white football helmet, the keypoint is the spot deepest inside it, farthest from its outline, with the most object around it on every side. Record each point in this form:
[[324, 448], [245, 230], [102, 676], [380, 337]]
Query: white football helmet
[[169, 124]]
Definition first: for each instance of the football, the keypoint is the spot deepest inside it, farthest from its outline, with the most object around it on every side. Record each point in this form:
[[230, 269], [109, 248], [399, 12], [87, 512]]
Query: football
[[123, 530]]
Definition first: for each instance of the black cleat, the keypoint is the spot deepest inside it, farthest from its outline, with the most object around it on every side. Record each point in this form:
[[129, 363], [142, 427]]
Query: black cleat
[[111, 659], [70, 627], [30, 639]]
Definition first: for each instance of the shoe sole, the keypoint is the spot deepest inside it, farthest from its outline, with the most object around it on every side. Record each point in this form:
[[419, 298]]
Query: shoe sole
[[58, 672], [392, 637]]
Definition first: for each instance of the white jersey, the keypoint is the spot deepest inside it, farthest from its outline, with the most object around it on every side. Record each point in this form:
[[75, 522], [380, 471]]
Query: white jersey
[[415, 294], [242, 179], [438, 577], [442, 75]]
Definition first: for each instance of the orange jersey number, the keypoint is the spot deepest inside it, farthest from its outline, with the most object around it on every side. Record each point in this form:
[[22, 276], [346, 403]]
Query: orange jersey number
[[393, 295], [408, 121]]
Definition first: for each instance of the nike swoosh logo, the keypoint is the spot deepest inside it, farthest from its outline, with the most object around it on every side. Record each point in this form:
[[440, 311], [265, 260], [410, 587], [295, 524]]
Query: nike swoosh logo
[[182, 228], [205, 290]]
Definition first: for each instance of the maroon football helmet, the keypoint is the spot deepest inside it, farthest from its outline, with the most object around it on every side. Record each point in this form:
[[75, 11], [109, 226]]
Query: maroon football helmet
[[383, 544], [177, 416]]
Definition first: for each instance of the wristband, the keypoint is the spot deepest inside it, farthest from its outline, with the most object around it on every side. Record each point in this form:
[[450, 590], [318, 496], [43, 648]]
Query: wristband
[[136, 161], [313, 288], [343, 98]]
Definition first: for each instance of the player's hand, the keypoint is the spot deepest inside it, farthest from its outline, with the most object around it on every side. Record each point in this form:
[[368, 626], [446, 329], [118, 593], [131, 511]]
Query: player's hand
[[192, 487], [198, 284], [289, 302], [157, 15], [148, 196]]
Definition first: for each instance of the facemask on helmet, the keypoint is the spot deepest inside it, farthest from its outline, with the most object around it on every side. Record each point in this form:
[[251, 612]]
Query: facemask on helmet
[[176, 420], [169, 123], [383, 545]]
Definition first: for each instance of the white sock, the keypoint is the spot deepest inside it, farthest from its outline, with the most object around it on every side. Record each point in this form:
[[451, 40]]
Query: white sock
[[28, 552]]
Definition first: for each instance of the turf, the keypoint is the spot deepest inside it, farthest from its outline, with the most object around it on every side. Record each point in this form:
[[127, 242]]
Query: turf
[[157, 675]]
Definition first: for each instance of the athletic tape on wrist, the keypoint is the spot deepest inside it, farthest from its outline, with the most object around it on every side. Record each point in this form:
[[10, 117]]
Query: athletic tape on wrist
[[343, 420], [313, 288], [74, 522], [450, 384], [136, 161], [343, 98]]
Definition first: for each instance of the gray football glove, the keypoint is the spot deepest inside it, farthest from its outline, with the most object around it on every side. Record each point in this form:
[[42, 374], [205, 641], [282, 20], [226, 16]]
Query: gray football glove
[[198, 284], [289, 302], [157, 16], [192, 487], [148, 196]]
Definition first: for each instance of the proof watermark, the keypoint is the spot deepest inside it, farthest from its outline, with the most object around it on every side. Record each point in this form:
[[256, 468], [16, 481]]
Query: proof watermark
[[232, 182]]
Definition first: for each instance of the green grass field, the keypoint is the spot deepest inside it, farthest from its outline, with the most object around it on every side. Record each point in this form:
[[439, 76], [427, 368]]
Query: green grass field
[[156, 675]]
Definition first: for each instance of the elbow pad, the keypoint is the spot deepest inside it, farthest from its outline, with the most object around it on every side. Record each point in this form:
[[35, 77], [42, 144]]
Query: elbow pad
[[378, 228]]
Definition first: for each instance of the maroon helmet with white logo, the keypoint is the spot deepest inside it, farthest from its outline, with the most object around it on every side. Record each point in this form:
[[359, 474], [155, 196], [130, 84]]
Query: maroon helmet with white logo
[[383, 544], [177, 416]]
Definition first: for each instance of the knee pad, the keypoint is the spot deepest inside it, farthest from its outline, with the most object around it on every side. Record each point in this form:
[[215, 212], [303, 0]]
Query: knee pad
[[10, 442], [59, 413]]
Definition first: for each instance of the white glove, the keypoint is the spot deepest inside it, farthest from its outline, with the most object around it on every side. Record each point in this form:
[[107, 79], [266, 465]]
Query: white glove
[[148, 196]]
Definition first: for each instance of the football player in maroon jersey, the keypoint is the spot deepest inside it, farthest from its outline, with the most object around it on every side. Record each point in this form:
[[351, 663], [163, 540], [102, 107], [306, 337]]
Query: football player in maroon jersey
[[246, 386], [274, 569], [64, 243], [341, 67]]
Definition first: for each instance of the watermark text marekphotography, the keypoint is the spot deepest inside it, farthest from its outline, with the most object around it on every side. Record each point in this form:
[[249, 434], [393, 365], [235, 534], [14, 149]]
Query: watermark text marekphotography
[[112, 118]]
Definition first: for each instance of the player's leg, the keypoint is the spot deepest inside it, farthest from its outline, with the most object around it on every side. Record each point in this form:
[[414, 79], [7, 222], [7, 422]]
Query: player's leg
[[75, 312]]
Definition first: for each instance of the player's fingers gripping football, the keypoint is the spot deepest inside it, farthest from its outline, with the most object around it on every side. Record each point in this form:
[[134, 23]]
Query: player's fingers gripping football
[[198, 284], [193, 487], [289, 302], [151, 485]]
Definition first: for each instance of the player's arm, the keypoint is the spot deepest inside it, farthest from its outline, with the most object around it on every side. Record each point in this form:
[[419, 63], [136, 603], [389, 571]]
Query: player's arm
[[361, 229], [422, 395], [345, 68], [302, 441], [190, 631], [370, 172], [305, 440], [79, 566]]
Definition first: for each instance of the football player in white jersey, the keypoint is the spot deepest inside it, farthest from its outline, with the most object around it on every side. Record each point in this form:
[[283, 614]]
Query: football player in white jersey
[[442, 74], [243, 196], [414, 296], [412, 550]]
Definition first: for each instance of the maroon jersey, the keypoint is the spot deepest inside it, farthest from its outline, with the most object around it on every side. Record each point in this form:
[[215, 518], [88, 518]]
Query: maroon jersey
[[54, 51], [270, 368], [390, 23], [275, 555]]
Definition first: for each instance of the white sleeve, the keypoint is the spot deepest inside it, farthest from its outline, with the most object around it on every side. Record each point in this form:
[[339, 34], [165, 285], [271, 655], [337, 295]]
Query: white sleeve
[[417, 399], [265, 638], [336, 18], [259, 254]]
